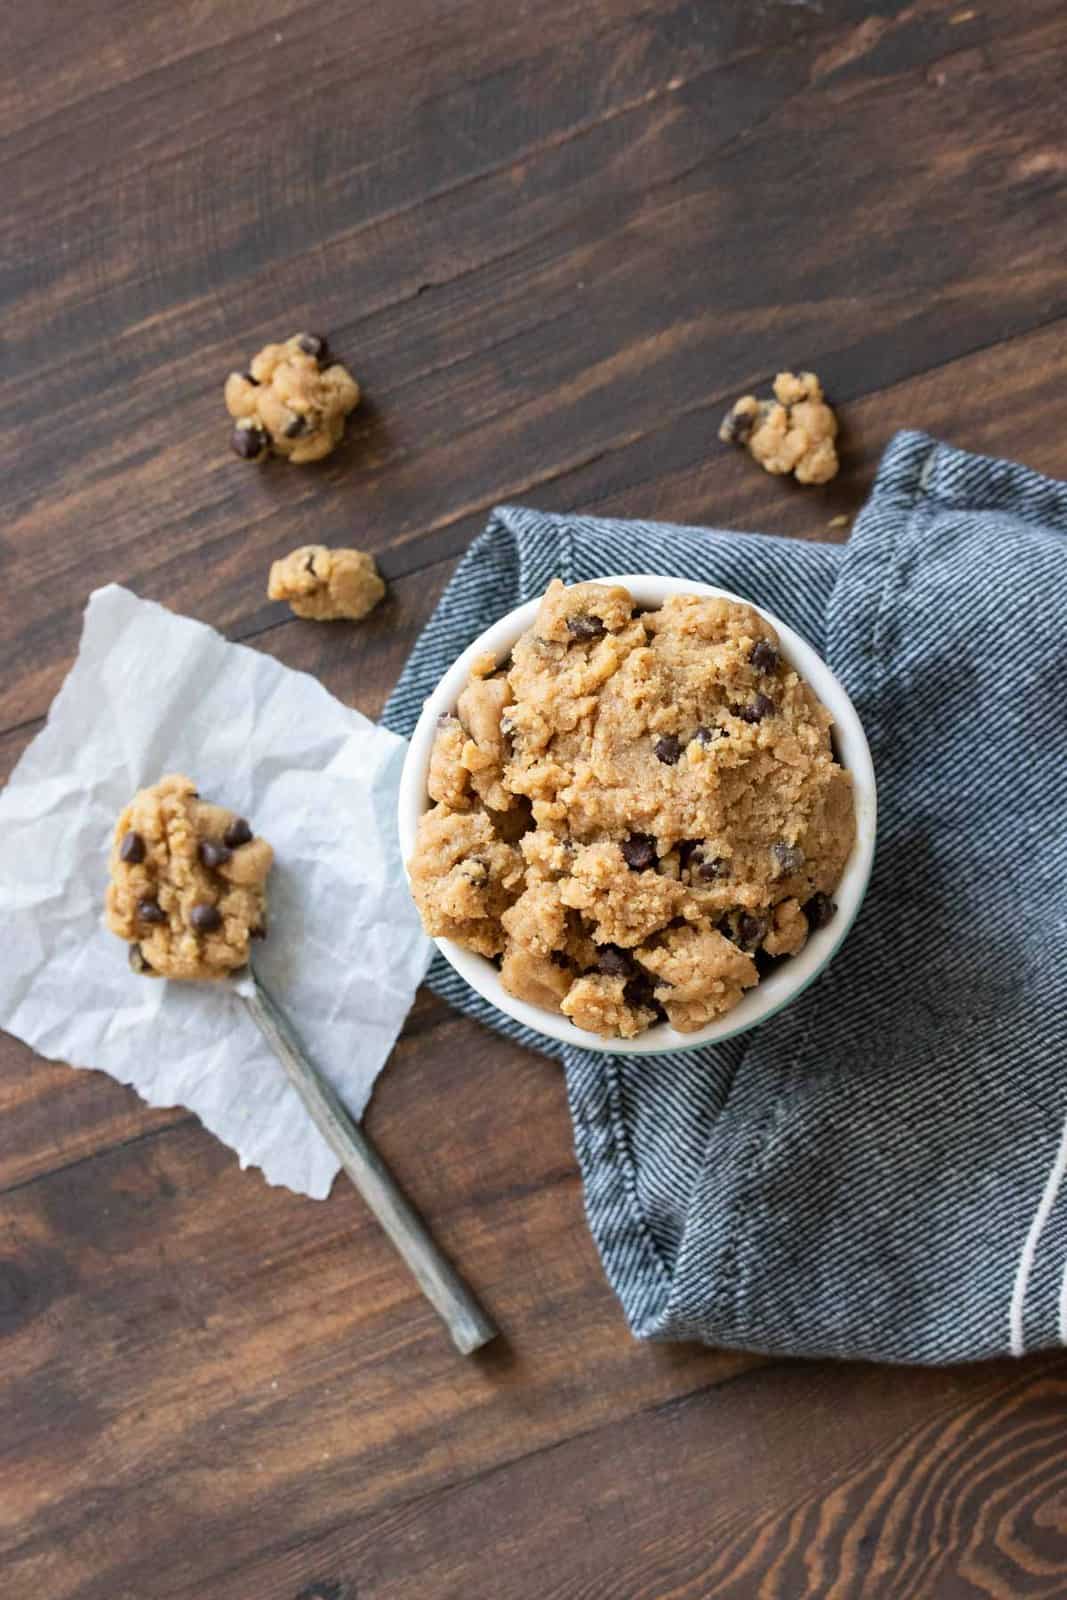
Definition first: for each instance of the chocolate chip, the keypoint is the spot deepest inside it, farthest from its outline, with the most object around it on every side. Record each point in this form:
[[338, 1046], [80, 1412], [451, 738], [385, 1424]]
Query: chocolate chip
[[213, 855], [639, 852], [718, 867], [131, 849], [249, 379], [766, 964], [237, 834], [248, 443], [150, 911], [685, 848], [737, 426], [761, 706], [790, 857], [764, 656], [258, 932], [744, 929], [615, 963], [706, 736], [559, 959], [668, 749], [819, 910], [296, 427], [585, 627], [312, 345], [638, 990], [205, 918]]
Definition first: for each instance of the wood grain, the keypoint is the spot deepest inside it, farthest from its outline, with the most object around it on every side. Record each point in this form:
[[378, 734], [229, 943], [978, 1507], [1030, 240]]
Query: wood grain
[[555, 240]]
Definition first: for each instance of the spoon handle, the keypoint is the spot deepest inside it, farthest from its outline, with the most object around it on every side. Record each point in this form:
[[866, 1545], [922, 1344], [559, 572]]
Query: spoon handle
[[439, 1281]]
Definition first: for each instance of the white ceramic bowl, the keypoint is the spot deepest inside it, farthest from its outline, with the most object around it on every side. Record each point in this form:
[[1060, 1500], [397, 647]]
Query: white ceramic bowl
[[787, 980]]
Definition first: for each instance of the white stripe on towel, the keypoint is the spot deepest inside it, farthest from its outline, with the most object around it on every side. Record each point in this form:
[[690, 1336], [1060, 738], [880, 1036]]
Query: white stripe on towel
[[1063, 1306], [1029, 1250]]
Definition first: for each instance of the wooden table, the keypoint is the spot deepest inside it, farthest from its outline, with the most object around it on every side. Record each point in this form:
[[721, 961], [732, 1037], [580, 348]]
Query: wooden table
[[555, 239]]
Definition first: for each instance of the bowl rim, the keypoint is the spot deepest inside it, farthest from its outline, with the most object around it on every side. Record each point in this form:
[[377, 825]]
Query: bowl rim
[[782, 986]]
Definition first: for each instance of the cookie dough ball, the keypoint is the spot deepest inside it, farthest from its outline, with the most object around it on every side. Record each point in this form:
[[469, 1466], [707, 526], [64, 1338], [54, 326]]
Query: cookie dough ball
[[188, 883], [327, 585], [291, 402], [794, 432]]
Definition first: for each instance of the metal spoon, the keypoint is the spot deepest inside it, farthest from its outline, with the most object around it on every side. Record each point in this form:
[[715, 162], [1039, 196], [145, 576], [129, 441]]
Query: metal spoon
[[439, 1281]]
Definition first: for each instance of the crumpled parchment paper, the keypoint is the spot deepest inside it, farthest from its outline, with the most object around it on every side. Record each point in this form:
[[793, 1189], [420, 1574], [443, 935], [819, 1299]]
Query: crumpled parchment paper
[[150, 693]]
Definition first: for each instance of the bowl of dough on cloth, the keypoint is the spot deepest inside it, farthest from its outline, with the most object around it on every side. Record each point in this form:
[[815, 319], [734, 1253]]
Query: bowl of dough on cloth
[[638, 815]]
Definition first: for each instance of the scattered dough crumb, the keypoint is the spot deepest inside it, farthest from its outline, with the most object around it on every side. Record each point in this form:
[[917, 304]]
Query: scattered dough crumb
[[327, 585], [794, 432], [292, 401]]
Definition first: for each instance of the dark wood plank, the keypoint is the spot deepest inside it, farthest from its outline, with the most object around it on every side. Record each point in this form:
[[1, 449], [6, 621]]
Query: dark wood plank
[[244, 1360], [611, 279], [943, 1486]]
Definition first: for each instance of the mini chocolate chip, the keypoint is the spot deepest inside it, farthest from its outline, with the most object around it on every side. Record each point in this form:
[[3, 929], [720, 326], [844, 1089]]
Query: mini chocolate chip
[[790, 857], [819, 910], [296, 427], [614, 963], [213, 855], [638, 990], [312, 345], [668, 749], [738, 425], [750, 929], [585, 627], [761, 706], [131, 849], [706, 736], [237, 834], [718, 867], [766, 964], [764, 656], [559, 959], [150, 911], [639, 852], [205, 918], [248, 443], [258, 932]]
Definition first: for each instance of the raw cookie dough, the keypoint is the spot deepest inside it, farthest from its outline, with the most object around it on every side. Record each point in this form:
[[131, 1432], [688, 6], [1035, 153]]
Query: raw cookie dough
[[188, 883], [794, 432], [326, 585], [291, 402], [634, 812]]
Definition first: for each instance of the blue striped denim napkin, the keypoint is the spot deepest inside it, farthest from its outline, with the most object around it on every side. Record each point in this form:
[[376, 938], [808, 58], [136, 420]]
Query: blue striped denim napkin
[[876, 1172]]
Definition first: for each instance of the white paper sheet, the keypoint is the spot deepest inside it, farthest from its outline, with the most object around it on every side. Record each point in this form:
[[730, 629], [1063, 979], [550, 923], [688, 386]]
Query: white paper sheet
[[152, 693]]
